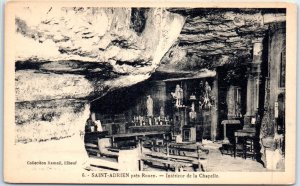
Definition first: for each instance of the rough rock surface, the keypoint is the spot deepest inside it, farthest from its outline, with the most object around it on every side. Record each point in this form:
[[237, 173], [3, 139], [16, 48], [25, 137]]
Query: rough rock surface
[[213, 37], [67, 40], [74, 55]]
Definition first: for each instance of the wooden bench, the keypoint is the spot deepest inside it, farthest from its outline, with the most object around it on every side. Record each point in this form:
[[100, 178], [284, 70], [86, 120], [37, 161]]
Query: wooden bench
[[91, 142], [168, 164], [176, 157], [104, 148], [95, 148], [92, 149]]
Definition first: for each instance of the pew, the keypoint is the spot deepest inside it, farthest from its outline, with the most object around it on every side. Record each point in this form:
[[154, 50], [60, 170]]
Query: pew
[[176, 156]]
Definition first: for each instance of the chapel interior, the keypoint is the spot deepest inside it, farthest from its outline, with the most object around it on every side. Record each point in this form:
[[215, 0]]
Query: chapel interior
[[177, 121]]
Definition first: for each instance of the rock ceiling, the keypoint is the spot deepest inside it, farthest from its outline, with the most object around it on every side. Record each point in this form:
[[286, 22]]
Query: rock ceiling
[[106, 48], [95, 48], [212, 37]]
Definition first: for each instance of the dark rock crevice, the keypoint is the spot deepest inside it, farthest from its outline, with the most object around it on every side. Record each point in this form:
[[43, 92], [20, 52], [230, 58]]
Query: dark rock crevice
[[138, 19]]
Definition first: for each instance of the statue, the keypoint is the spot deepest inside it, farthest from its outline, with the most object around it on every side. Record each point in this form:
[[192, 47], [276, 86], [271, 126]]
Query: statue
[[192, 113], [98, 125], [178, 95], [95, 125], [162, 112], [207, 88], [149, 105], [238, 112], [206, 101]]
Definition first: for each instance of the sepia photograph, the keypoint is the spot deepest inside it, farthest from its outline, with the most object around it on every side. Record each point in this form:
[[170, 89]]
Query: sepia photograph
[[129, 94]]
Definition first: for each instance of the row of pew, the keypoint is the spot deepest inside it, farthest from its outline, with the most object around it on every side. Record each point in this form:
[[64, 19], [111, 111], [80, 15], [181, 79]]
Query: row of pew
[[149, 152]]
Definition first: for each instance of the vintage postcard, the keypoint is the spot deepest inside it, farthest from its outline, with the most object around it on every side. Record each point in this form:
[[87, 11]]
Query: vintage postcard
[[150, 93]]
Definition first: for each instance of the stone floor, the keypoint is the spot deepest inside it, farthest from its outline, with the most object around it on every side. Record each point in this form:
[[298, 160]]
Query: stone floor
[[225, 163], [217, 162]]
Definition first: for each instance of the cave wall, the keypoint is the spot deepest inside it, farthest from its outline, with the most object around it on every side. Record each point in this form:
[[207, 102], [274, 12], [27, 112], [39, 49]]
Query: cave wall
[[76, 54], [277, 44], [66, 57]]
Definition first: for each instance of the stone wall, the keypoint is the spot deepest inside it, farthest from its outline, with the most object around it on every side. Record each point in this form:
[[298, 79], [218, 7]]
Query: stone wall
[[74, 55], [270, 139], [276, 46]]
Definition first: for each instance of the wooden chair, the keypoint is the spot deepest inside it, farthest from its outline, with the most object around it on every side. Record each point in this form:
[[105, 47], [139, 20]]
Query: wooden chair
[[244, 146], [249, 147], [239, 147]]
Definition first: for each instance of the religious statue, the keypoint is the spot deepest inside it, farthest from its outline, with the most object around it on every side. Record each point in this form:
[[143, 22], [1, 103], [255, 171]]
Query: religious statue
[[178, 95], [149, 105], [238, 112], [162, 112], [98, 125], [206, 99], [95, 125], [192, 113]]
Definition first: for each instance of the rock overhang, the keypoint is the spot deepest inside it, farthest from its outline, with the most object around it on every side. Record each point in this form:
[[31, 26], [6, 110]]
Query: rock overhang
[[99, 48], [123, 38], [212, 37]]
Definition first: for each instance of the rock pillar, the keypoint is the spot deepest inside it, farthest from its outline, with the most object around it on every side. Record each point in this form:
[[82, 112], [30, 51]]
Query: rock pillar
[[253, 82], [214, 110]]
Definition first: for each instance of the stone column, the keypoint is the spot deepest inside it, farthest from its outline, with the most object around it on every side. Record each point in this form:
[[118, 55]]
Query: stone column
[[214, 110], [185, 95], [254, 72], [249, 95], [162, 96]]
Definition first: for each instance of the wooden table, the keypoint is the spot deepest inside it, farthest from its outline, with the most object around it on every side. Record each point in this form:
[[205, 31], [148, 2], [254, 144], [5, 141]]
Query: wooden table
[[149, 128], [228, 122]]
